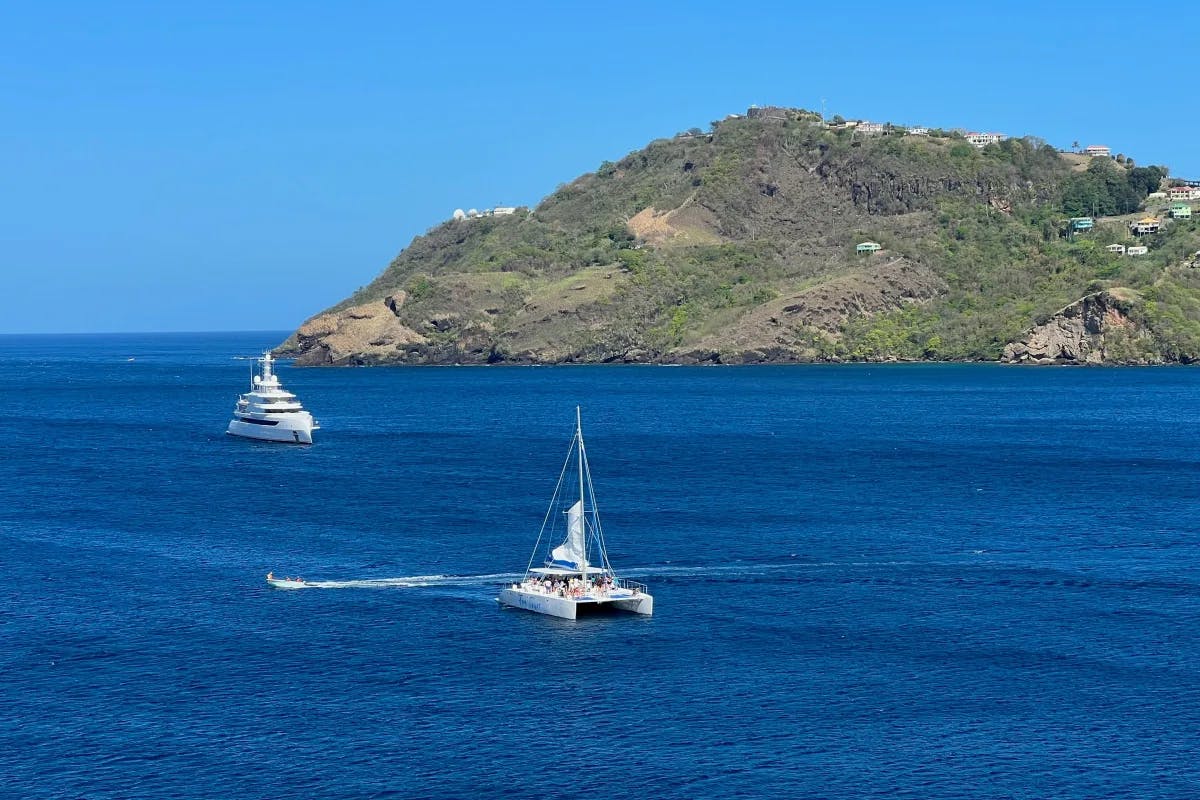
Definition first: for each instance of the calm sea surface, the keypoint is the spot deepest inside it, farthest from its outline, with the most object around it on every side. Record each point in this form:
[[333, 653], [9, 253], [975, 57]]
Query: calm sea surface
[[870, 581]]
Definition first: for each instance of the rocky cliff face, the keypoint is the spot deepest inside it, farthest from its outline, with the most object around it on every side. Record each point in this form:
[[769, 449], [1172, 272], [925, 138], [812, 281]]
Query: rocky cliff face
[[1096, 329], [365, 334]]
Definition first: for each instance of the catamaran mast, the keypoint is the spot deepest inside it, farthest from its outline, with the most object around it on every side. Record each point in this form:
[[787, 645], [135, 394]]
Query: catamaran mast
[[582, 499]]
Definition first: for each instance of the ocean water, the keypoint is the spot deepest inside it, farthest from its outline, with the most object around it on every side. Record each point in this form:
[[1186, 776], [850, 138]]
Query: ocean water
[[870, 581]]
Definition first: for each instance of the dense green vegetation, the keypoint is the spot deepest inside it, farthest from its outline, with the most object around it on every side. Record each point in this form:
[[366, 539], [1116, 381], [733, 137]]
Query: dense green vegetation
[[1106, 189], [739, 244]]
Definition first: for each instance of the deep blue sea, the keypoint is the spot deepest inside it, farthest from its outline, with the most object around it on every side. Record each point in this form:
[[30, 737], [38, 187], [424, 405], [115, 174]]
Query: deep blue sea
[[908, 581]]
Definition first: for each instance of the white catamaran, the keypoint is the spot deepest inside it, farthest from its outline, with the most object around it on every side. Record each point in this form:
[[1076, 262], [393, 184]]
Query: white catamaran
[[576, 577]]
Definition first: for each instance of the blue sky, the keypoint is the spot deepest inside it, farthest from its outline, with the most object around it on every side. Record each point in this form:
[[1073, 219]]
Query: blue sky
[[171, 167]]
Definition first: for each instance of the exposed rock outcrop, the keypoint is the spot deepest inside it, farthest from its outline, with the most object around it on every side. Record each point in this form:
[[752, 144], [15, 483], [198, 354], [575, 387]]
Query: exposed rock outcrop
[[688, 224], [783, 329], [883, 287], [365, 334], [1095, 329]]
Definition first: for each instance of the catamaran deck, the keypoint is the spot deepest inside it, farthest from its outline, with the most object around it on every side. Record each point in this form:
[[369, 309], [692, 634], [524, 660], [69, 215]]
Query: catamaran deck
[[562, 602]]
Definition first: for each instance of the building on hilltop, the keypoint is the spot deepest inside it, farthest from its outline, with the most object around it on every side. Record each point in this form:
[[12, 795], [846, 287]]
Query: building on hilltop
[[766, 112], [1116, 248], [871, 128], [1181, 211], [1098, 150], [1184, 192], [984, 139], [1082, 223], [1137, 250], [498, 211], [918, 131], [868, 247]]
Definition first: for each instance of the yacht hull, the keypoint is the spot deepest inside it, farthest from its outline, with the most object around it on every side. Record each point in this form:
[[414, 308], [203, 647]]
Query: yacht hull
[[283, 432]]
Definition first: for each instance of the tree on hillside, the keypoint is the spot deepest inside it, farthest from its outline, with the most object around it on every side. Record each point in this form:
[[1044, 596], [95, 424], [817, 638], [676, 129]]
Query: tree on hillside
[[1122, 197], [1105, 189], [1145, 180], [1082, 196]]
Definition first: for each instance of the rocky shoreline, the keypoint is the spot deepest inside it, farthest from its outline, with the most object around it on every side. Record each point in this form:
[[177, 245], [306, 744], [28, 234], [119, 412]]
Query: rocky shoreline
[[1099, 329]]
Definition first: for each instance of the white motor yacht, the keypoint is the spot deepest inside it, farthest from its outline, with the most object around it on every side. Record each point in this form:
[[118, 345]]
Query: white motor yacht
[[269, 412], [576, 578]]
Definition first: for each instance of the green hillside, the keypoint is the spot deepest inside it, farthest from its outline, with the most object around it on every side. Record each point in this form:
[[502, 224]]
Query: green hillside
[[739, 245]]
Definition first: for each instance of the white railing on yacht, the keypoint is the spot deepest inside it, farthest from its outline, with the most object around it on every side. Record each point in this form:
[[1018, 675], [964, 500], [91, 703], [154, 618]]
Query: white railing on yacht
[[633, 586]]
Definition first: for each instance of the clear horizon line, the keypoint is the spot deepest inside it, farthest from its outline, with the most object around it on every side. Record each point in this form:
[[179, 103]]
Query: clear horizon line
[[144, 332]]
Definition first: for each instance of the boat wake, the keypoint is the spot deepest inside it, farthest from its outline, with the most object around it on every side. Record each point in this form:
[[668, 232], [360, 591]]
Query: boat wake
[[737, 571], [413, 581]]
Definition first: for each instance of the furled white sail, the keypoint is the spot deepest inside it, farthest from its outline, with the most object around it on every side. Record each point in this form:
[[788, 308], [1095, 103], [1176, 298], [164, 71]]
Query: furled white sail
[[569, 554]]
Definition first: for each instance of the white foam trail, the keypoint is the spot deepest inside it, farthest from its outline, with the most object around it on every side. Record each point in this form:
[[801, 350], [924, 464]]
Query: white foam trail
[[734, 570], [738, 569], [414, 581]]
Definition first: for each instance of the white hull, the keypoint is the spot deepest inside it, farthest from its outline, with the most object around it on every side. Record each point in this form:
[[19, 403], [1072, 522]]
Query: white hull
[[287, 583], [287, 430], [571, 607]]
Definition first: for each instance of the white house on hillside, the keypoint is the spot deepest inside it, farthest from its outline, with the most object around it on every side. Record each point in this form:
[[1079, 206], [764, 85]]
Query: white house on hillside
[[984, 139]]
